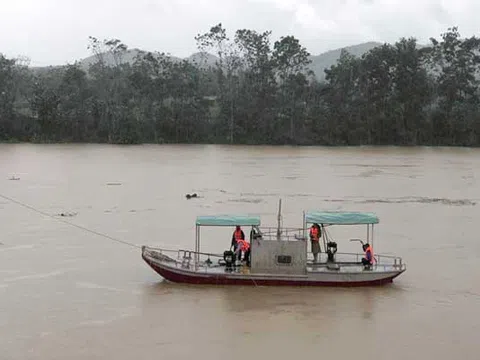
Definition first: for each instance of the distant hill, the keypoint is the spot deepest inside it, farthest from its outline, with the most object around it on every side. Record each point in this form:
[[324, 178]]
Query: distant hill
[[130, 55], [318, 65], [329, 58]]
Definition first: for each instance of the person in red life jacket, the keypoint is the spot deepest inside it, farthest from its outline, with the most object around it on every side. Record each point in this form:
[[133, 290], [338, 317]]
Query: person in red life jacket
[[315, 234], [237, 235], [243, 246], [368, 259]]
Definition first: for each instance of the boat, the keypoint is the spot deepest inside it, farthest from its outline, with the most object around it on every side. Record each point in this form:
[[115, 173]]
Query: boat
[[278, 256]]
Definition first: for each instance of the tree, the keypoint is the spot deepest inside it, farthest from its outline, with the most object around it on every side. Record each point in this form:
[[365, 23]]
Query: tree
[[110, 81], [344, 101], [74, 93], [412, 91], [254, 93], [290, 61], [228, 67], [7, 96], [457, 86], [257, 94]]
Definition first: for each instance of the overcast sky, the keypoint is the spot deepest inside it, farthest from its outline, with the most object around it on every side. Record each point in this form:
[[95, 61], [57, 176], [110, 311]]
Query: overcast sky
[[52, 32]]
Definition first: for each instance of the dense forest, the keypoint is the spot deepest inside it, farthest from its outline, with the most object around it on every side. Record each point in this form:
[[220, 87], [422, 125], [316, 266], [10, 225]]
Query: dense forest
[[255, 93]]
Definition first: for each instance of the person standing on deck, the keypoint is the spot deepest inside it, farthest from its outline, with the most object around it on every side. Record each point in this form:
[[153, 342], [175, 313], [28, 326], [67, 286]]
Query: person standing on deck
[[237, 235], [315, 234], [255, 233]]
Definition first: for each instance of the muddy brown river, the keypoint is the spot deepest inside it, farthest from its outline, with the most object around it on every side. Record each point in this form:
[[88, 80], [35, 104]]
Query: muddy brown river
[[68, 293]]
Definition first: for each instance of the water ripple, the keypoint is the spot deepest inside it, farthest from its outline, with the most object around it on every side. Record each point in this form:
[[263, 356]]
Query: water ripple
[[421, 200], [251, 201], [362, 200], [376, 165]]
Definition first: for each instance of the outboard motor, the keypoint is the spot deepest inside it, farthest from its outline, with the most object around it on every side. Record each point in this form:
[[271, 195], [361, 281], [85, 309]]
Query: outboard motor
[[331, 251], [229, 257]]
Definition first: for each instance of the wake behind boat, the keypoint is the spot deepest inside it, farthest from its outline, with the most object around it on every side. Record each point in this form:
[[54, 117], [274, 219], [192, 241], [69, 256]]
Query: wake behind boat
[[278, 256]]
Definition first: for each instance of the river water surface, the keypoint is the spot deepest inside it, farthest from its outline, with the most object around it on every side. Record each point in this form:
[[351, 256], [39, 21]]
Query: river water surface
[[66, 293]]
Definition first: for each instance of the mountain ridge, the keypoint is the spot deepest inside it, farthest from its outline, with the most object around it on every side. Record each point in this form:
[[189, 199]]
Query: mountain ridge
[[319, 62]]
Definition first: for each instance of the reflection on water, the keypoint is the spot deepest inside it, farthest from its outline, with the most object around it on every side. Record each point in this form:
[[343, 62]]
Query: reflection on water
[[70, 294]]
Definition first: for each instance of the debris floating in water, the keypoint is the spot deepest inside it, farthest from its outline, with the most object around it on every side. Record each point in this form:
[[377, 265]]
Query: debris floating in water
[[114, 183], [65, 214]]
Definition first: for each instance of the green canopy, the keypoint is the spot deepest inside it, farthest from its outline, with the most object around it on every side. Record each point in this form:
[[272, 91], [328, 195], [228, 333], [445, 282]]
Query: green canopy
[[340, 218], [228, 220]]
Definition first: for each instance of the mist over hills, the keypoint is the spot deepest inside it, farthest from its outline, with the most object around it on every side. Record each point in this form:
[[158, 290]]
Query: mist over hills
[[319, 62]]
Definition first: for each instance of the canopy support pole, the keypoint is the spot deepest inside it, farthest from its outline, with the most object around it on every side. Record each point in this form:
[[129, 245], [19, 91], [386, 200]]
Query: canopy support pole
[[304, 226], [197, 245], [372, 235], [279, 219]]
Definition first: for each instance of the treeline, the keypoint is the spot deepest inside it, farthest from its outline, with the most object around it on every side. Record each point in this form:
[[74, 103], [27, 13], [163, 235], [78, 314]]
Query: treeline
[[256, 93]]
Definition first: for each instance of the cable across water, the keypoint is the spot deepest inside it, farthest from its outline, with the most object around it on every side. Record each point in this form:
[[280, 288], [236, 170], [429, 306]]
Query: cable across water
[[69, 223]]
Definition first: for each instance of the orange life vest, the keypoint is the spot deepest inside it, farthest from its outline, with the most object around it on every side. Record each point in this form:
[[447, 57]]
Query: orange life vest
[[244, 246], [238, 235], [370, 257], [314, 233]]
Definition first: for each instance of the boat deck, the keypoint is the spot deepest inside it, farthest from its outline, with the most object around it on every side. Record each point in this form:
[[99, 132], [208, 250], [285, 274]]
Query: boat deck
[[345, 263]]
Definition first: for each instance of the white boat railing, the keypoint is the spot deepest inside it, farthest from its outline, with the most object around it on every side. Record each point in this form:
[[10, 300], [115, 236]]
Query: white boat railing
[[286, 234], [186, 259], [381, 260]]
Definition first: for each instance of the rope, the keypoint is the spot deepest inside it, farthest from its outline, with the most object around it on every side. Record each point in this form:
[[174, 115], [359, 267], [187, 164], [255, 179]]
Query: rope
[[69, 223]]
